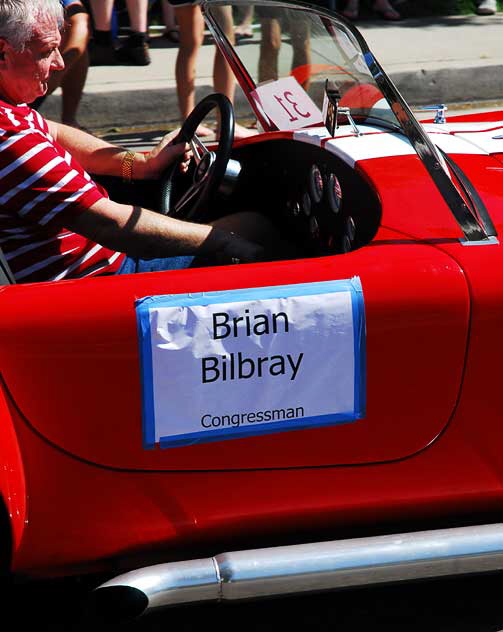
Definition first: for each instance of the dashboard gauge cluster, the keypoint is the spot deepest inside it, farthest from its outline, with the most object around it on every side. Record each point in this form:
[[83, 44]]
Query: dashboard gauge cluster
[[317, 201], [316, 184], [318, 210], [334, 193], [306, 204]]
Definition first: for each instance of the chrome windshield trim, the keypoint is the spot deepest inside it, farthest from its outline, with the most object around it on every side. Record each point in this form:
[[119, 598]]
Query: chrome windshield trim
[[425, 149]]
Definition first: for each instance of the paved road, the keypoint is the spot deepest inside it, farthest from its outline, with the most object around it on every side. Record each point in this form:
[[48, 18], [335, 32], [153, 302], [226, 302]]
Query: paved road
[[457, 605]]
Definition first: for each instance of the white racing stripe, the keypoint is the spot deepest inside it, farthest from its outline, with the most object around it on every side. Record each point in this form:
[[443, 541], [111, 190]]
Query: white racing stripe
[[486, 141], [355, 148], [374, 142], [454, 128], [455, 145], [461, 138]]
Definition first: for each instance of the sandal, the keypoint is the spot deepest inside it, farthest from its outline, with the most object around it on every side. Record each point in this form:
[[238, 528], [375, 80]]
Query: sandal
[[241, 32]]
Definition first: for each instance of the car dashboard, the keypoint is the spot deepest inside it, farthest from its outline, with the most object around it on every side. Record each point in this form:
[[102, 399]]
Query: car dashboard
[[313, 197]]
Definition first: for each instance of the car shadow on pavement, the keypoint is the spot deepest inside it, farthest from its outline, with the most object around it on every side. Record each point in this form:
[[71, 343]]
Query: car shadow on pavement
[[471, 604]]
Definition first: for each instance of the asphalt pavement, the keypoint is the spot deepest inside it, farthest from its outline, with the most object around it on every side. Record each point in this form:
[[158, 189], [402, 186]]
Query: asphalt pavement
[[452, 59]]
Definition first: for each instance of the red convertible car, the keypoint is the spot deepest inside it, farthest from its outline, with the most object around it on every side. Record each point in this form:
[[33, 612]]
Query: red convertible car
[[331, 419]]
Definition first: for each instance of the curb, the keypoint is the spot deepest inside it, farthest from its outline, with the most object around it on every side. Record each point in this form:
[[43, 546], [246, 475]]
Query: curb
[[143, 108], [450, 85], [134, 108]]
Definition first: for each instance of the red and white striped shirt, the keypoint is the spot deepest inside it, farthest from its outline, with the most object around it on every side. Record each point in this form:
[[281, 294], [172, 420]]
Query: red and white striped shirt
[[41, 186]]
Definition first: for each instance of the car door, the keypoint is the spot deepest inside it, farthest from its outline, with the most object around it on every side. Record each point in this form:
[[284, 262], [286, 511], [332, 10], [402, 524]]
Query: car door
[[70, 360]]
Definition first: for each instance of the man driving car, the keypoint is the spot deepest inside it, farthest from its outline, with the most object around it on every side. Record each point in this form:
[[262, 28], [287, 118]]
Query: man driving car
[[56, 222]]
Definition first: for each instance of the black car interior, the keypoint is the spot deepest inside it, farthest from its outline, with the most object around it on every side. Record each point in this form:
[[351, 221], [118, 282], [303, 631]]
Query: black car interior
[[312, 197], [315, 200]]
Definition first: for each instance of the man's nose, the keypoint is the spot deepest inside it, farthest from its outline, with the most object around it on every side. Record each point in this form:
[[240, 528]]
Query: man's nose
[[58, 62]]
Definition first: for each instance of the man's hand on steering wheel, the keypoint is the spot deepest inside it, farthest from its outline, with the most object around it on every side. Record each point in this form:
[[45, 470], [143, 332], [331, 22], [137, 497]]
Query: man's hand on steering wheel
[[168, 152], [211, 165]]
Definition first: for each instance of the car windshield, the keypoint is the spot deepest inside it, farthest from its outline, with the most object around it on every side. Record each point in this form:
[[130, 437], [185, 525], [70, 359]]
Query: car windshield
[[304, 67], [298, 50]]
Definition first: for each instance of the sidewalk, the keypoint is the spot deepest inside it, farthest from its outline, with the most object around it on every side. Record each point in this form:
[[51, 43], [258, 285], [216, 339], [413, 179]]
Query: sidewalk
[[439, 59]]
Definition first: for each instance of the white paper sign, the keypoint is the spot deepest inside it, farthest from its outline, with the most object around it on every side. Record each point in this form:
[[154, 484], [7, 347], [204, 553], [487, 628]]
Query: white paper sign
[[248, 362], [287, 104]]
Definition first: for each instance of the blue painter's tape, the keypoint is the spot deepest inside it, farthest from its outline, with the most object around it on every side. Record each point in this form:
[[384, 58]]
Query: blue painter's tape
[[247, 431], [144, 305], [146, 377]]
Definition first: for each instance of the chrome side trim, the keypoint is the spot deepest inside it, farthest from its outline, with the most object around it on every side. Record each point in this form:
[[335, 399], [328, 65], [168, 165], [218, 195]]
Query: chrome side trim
[[313, 567], [490, 241]]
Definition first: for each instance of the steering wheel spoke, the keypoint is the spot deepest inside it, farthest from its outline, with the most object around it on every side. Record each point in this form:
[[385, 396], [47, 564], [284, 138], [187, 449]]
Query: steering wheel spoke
[[199, 149], [210, 167], [190, 194]]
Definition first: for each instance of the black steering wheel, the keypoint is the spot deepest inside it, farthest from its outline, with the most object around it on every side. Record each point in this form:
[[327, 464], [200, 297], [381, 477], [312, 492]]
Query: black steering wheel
[[210, 166]]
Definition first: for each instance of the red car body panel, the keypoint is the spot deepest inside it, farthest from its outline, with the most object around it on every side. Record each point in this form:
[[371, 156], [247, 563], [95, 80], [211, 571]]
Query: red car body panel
[[81, 491], [12, 480], [80, 417], [92, 514]]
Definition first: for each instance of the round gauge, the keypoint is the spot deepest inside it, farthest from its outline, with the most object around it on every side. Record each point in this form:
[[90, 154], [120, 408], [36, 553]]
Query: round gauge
[[350, 228], [346, 244], [316, 184], [296, 208], [306, 204], [314, 227], [334, 193]]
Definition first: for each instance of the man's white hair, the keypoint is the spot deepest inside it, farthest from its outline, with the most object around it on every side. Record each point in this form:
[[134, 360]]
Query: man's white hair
[[18, 19]]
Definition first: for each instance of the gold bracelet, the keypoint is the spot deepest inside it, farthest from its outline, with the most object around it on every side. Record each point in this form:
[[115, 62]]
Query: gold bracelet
[[127, 166]]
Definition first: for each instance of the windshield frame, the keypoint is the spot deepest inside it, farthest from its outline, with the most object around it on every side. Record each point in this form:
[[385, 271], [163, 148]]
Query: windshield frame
[[428, 153]]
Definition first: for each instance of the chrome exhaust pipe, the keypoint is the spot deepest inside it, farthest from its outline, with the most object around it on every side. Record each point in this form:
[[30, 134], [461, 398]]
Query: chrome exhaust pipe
[[302, 568]]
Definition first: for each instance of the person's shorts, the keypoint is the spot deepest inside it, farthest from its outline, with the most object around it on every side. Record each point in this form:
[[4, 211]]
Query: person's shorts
[[132, 265], [72, 7]]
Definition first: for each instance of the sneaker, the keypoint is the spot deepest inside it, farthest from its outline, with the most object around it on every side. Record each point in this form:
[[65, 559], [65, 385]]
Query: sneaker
[[486, 7], [134, 55]]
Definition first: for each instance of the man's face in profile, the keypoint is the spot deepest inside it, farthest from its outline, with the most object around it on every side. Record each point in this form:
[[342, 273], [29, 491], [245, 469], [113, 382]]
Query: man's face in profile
[[24, 75]]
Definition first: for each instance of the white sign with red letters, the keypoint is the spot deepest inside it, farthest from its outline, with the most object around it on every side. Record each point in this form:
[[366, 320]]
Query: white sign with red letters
[[287, 104]]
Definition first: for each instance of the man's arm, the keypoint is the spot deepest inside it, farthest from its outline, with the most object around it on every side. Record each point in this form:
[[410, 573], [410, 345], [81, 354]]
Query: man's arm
[[143, 233], [99, 157]]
